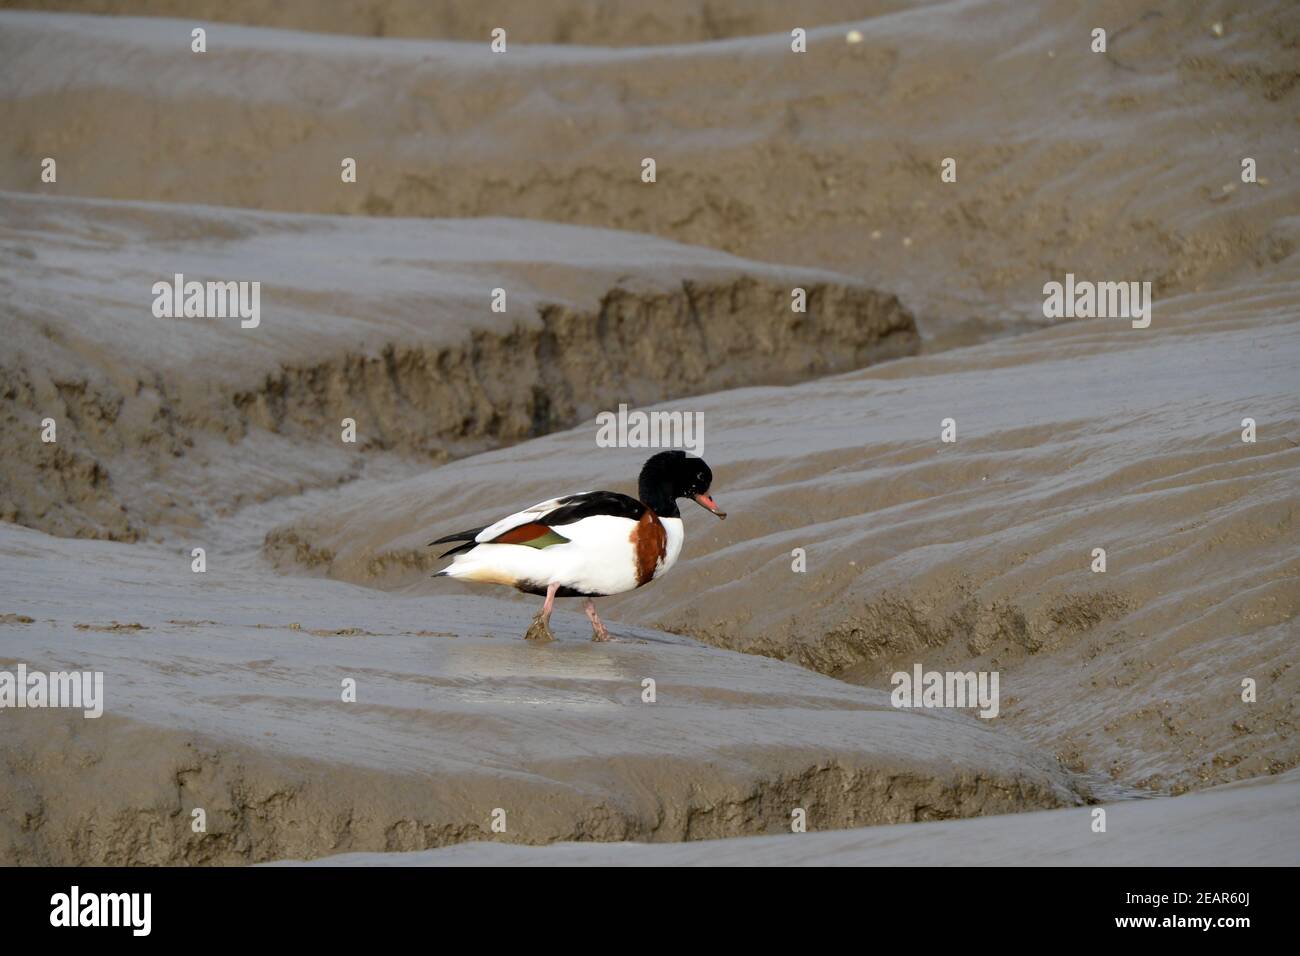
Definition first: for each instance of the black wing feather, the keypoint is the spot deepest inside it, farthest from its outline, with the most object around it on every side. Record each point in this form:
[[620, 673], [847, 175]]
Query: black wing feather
[[469, 535], [458, 549], [573, 508], [594, 503]]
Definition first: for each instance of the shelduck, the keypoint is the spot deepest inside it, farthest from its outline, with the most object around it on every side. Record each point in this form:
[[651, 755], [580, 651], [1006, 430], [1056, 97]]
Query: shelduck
[[586, 545]]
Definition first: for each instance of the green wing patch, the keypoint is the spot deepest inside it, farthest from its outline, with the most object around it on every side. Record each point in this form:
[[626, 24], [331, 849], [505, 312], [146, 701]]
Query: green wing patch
[[545, 541], [533, 534]]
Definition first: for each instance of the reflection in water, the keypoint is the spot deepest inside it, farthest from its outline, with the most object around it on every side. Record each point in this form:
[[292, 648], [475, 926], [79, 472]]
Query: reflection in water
[[563, 660]]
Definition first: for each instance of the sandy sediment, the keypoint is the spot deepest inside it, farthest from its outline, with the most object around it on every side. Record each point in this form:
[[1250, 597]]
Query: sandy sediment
[[973, 555], [1250, 823], [166, 422], [976, 554], [585, 22], [1068, 160], [223, 692]]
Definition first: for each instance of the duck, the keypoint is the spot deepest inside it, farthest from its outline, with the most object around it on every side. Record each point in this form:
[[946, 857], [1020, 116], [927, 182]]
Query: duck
[[590, 544]]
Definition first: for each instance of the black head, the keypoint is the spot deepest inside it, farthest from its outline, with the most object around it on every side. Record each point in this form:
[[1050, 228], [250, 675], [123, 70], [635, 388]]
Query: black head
[[670, 475]]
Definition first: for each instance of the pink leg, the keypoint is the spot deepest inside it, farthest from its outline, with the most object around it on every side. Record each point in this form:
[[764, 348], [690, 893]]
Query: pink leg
[[599, 632], [540, 629]]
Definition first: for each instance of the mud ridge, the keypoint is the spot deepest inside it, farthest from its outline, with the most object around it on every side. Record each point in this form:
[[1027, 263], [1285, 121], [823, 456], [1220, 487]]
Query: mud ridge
[[69, 803], [761, 152], [898, 626], [121, 436]]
